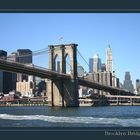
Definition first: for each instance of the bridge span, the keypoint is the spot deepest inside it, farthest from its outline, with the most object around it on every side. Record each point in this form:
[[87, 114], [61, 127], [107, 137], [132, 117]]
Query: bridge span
[[47, 73]]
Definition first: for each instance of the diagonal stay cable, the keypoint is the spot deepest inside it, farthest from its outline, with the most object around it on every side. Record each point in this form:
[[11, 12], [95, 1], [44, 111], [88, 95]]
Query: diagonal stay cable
[[34, 53], [82, 57]]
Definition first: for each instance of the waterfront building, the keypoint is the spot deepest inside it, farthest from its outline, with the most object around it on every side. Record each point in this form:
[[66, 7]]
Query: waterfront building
[[89, 76], [109, 59], [26, 88], [31, 78], [80, 91], [83, 91], [109, 78], [100, 77], [93, 77], [100, 74], [40, 86], [37, 80], [6, 78], [96, 79], [128, 82], [106, 79], [115, 80], [5, 82], [138, 86]]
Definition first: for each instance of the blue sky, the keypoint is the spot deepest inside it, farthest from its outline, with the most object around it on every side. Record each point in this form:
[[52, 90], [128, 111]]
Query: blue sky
[[93, 32]]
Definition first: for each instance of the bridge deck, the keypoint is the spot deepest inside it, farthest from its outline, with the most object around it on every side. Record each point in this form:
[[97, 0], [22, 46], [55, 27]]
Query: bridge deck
[[47, 73]]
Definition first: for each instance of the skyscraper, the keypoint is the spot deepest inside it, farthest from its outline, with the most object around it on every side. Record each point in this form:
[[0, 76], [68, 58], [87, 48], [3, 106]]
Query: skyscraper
[[128, 82], [25, 83], [3, 54], [90, 65], [6, 81], [109, 59], [96, 63], [23, 56], [12, 57], [138, 86]]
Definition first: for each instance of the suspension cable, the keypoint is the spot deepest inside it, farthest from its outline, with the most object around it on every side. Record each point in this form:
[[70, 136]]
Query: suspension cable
[[35, 53], [83, 57], [82, 67]]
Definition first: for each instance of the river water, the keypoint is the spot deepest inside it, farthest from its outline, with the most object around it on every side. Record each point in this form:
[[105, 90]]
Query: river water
[[107, 116]]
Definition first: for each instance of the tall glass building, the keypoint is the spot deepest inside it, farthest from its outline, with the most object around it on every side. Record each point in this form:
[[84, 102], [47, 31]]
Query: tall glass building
[[128, 82], [7, 79], [96, 63], [90, 65]]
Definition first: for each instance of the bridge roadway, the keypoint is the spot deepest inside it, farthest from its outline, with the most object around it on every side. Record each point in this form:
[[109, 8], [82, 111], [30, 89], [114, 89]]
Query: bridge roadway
[[47, 73]]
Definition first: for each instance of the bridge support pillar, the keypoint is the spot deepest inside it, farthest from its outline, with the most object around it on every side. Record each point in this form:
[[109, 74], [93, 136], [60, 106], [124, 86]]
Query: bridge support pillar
[[63, 92]]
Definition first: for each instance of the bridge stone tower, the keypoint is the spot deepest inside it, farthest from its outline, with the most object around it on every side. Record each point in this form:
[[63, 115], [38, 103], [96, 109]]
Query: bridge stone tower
[[63, 92]]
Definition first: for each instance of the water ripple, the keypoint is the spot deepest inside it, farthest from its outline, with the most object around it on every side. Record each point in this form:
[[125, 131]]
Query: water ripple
[[125, 122]]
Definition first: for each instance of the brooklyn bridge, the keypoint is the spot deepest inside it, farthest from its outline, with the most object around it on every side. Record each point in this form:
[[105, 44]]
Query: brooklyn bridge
[[62, 88]]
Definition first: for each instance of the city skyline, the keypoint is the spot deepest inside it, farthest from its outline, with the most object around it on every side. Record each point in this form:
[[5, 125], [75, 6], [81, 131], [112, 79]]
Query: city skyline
[[92, 32]]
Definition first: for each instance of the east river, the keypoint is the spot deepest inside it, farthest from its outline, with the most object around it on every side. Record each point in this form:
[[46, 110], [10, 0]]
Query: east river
[[43, 116]]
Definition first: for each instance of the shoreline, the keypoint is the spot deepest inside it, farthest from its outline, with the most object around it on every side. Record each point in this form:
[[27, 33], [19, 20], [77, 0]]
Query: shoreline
[[80, 105], [22, 105]]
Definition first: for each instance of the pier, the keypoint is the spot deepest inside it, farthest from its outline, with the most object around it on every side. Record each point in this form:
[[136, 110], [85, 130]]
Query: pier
[[112, 100]]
